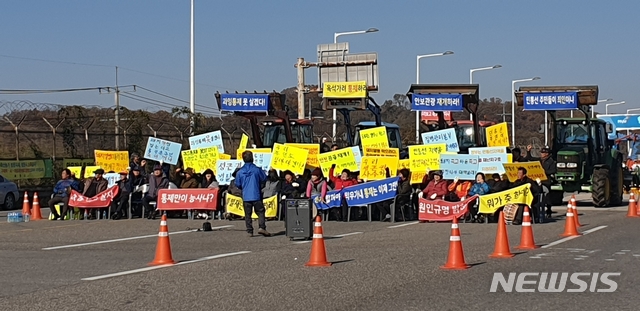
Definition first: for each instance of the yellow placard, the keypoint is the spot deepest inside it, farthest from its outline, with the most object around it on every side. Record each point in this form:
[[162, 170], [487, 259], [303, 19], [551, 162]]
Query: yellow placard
[[424, 158], [375, 168], [290, 158], [243, 141], [342, 158], [382, 152], [497, 135], [224, 156], [534, 170], [312, 157], [200, 159], [374, 137], [403, 164], [88, 171], [257, 150], [77, 162], [490, 203], [417, 176], [24, 169], [509, 158], [112, 161], [235, 206], [355, 89], [422, 151]]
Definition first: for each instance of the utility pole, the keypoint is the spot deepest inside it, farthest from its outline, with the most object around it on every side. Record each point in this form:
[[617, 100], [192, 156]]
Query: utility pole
[[300, 65], [192, 97], [117, 113]]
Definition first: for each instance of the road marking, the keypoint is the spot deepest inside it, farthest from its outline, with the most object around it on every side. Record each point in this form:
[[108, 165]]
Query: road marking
[[163, 266], [403, 225], [625, 250], [569, 238], [125, 239], [333, 236], [578, 258], [609, 260]]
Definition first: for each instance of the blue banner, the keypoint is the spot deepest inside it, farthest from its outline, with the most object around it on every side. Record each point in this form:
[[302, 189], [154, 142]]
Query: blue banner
[[244, 102], [371, 192], [462, 166], [437, 102], [550, 101], [332, 199]]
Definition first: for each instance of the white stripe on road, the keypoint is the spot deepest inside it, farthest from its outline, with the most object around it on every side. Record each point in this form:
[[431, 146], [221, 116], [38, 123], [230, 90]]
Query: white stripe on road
[[333, 236], [125, 239], [163, 266], [573, 237], [403, 225]]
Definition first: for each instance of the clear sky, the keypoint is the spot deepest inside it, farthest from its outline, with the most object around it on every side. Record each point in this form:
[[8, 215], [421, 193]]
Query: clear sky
[[252, 45]]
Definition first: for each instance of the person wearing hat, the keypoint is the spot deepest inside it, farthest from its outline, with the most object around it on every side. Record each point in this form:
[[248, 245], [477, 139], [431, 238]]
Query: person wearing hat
[[93, 186], [157, 181], [189, 180], [250, 179], [436, 188], [550, 169]]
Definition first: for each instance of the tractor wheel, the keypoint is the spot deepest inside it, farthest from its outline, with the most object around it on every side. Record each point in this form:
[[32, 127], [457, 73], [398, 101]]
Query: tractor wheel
[[556, 197], [601, 188], [617, 185]]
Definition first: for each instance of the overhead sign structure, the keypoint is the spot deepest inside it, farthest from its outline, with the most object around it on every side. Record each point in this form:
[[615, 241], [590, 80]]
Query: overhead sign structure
[[437, 102], [244, 102], [550, 101]]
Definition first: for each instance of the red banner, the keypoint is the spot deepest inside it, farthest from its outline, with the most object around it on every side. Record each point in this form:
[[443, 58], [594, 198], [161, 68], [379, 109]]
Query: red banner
[[433, 116], [181, 199], [101, 200], [439, 210]]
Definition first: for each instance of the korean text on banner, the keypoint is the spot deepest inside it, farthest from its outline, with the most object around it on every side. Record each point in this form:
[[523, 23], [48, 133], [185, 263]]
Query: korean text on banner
[[490, 159], [26, 169], [100, 200], [286, 157], [437, 102], [254, 151], [550, 101], [112, 161], [447, 136], [490, 203], [200, 159], [342, 158], [244, 102], [424, 158], [312, 157], [205, 140], [497, 135], [404, 164], [235, 206], [374, 137], [244, 141], [439, 210], [332, 199], [375, 168], [462, 166], [382, 152], [433, 116], [534, 170], [162, 150], [355, 89], [77, 162], [181, 199], [224, 170], [357, 155], [371, 192]]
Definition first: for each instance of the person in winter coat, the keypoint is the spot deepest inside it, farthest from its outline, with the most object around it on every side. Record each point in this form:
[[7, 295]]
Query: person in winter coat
[[436, 189], [459, 189], [189, 181], [480, 187], [93, 186], [250, 179], [291, 188], [273, 184], [157, 181], [339, 183], [61, 192], [316, 186], [209, 179]]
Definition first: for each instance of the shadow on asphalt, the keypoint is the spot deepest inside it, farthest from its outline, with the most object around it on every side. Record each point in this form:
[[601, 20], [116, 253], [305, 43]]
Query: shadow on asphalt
[[341, 261]]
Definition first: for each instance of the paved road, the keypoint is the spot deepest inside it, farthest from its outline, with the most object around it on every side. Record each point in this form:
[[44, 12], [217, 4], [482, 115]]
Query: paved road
[[377, 266]]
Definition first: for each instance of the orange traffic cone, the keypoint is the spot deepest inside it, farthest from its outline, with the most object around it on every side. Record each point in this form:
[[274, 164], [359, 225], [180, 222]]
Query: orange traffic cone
[[526, 237], [570, 224], [318, 256], [633, 209], [26, 209], [574, 206], [455, 259], [163, 248], [36, 208], [502, 240]]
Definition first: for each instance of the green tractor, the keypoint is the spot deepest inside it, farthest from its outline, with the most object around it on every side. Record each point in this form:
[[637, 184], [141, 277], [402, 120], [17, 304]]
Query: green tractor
[[587, 161]]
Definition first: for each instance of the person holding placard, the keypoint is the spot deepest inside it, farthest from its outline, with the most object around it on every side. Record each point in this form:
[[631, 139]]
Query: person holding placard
[[436, 189], [157, 181], [340, 183], [535, 191]]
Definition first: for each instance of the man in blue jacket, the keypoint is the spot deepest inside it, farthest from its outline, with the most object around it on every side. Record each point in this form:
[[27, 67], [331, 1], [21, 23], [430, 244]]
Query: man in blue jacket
[[61, 193], [250, 179]]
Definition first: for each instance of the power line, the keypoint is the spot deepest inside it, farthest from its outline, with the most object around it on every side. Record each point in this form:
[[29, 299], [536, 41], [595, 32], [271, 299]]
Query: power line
[[177, 99], [23, 92], [155, 100], [53, 61]]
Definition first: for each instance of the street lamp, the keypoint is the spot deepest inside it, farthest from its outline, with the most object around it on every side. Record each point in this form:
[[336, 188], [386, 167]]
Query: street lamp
[[335, 40], [634, 109], [513, 107], [418, 58], [338, 34], [471, 71], [606, 107]]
